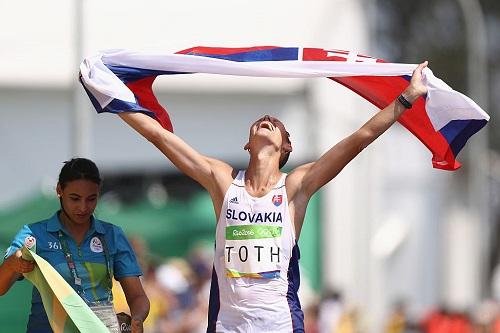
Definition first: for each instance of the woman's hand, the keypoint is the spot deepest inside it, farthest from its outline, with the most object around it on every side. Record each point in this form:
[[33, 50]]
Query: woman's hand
[[137, 301], [416, 88], [17, 264], [11, 269], [137, 325]]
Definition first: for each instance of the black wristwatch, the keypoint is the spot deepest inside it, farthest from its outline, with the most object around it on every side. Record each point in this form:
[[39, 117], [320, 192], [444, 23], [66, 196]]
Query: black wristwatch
[[404, 102]]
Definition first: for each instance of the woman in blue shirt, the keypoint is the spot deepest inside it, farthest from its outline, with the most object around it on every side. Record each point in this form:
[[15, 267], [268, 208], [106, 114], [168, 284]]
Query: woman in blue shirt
[[87, 252]]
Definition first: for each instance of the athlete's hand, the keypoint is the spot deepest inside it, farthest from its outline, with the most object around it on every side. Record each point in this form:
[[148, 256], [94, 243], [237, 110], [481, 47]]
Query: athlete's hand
[[18, 264], [137, 325], [416, 88]]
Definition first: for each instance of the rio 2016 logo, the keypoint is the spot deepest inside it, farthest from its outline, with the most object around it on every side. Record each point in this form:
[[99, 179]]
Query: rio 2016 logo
[[30, 242], [125, 327]]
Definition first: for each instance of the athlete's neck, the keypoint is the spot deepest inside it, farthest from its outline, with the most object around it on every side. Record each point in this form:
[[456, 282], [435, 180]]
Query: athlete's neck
[[261, 177]]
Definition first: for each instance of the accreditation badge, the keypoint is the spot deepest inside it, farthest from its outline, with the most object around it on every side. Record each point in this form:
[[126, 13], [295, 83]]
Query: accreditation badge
[[253, 251], [107, 315]]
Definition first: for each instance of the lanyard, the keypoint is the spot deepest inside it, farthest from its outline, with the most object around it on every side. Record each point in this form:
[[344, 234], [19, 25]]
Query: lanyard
[[72, 268]]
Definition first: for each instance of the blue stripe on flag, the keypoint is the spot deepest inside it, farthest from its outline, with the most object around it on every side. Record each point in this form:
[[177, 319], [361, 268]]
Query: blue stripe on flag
[[117, 106], [94, 101], [276, 54], [129, 74], [457, 132], [406, 77]]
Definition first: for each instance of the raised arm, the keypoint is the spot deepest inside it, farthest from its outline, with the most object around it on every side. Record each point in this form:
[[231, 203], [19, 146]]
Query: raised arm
[[206, 171], [304, 181]]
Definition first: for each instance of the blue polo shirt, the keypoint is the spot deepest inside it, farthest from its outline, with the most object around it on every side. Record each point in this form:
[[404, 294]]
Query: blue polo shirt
[[89, 258]]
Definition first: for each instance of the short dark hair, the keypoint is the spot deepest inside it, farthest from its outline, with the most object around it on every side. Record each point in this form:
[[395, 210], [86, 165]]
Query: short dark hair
[[285, 142], [79, 168], [284, 158]]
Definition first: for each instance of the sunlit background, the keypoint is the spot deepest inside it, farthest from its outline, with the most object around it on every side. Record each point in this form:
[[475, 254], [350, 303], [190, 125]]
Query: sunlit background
[[388, 230]]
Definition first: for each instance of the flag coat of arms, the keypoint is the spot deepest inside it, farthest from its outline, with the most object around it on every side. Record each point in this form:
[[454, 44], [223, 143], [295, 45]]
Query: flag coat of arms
[[277, 199], [443, 120]]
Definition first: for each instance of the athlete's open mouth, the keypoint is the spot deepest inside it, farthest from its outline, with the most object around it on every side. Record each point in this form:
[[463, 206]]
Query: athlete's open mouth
[[266, 125]]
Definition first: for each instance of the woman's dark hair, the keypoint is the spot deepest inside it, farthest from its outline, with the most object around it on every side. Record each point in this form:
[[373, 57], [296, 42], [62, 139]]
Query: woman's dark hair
[[79, 168]]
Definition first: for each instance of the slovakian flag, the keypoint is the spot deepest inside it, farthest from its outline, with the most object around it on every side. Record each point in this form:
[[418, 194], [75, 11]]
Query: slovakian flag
[[443, 120]]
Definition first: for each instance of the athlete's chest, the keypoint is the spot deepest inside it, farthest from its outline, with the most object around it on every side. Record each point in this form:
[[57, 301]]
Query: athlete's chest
[[242, 208]]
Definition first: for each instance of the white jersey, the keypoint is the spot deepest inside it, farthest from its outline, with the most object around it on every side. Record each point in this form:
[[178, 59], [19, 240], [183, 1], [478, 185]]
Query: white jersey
[[256, 271]]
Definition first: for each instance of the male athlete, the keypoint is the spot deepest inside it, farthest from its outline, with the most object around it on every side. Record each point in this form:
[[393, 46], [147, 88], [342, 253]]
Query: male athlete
[[260, 212]]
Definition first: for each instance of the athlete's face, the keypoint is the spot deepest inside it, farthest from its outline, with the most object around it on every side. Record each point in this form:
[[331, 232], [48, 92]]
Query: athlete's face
[[79, 199], [274, 129], [270, 126]]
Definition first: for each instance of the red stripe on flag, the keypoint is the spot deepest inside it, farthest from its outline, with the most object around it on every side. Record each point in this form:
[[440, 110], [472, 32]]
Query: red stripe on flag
[[381, 91], [223, 50], [143, 91]]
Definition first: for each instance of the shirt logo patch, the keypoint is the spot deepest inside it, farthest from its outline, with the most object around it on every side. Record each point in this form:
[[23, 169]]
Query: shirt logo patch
[[96, 245], [234, 200], [277, 199], [30, 242]]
